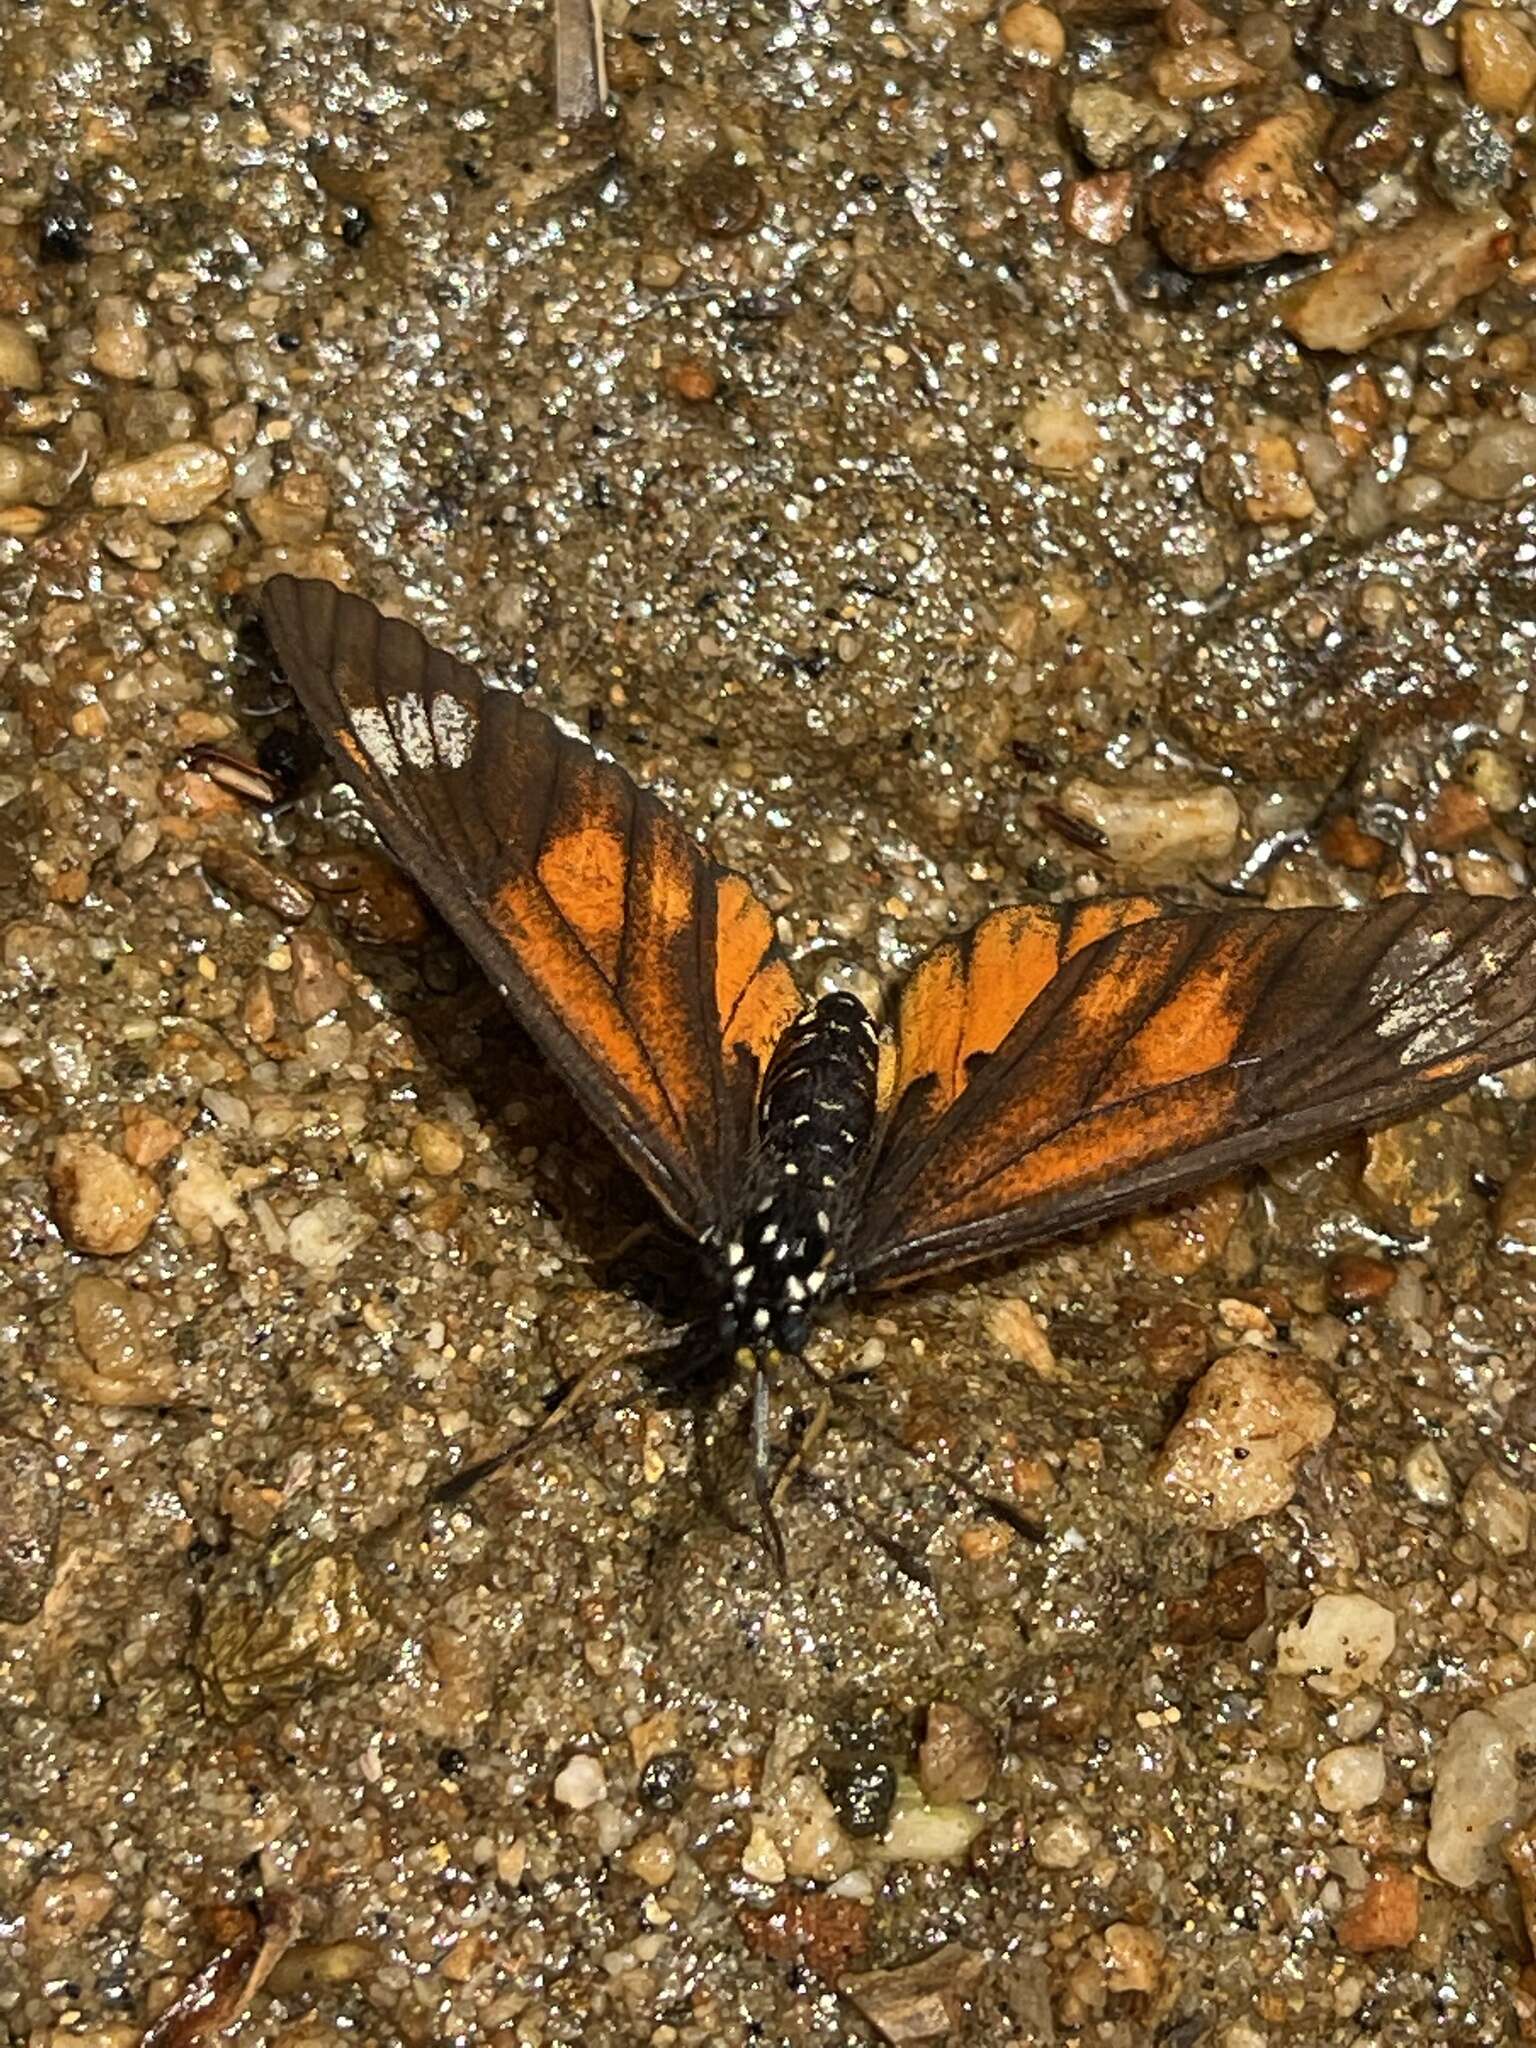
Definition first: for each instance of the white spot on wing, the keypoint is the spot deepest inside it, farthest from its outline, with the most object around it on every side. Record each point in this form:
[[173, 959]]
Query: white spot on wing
[[415, 732], [453, 727], [378, 742]]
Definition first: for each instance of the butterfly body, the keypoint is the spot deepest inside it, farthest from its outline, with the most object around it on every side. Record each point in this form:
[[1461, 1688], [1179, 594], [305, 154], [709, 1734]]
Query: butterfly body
[[782, 1254], [1056, 1065]]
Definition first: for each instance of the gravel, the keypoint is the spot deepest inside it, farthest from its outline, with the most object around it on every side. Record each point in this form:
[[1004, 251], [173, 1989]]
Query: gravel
[[947, 457]]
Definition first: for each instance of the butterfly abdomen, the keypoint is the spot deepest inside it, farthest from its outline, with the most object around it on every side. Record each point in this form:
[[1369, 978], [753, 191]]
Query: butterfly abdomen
[[816, 1118]]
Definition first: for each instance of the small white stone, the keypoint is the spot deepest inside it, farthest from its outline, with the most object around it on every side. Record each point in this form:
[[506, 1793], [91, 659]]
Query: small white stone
[[1496, 1512], [760, 1859], [1063, 1842], [1339, 1645], [325, 1235], [1348, 1780], [581, 1784]]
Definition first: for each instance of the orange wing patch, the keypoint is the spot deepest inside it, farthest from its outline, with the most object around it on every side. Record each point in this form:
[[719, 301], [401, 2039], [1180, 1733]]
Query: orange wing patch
[[963, 999], [756, 998]]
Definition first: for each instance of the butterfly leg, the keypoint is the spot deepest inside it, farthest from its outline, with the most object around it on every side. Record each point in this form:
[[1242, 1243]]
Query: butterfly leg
[[762, 1468]]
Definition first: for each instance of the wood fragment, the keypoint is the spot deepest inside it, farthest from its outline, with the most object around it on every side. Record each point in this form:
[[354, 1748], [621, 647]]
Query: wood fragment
[[581, 74]]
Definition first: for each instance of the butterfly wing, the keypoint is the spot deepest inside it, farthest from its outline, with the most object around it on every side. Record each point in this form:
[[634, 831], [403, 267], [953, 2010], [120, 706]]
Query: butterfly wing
[[649, 977], [1045, 1080]]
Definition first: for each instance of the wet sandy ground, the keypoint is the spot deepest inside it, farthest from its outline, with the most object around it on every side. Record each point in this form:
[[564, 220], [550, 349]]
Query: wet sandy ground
[[903, 441]]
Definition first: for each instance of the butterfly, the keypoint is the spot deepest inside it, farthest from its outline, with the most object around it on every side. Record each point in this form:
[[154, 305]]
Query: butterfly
[[1055, 1065]]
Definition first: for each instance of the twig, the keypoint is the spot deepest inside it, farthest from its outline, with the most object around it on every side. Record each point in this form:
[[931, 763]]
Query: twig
[[581, 75]]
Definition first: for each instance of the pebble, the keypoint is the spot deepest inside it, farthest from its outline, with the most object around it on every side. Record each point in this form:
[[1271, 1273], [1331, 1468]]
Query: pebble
[[957, 1756], [920, 1832], [817, 1930], [1063, 1842], [1472, 162], [722, 198], [1113, 127], [21, 367], [1477, 1794], [438, 1146], [1203, 71], [1368, 141], [1357, 1280], [1233, 1602], [1426, 1477], [103, 1204], [173, 485], [1157, 829], [1134, 1957], [368, 896], [1349, 1779], [204, 1200], [1387, 1916], [264, 1644], [294, 511], [29, 1525], [124, 1366], [121, 346], [580, 1784], [1499, 463], [323, 1237], [760, 1859], [1102, 209], [67, 1905], [1248, 1423], [927, 2000], [1033, 34], [1019, 1334], [1339, 1645], [319, 987], [26, 473], [1059, 433], [1497, 57], [148, 1138], [1494, 1510], [1418, 1173], [1363, 45], [1270, 479], [1403, 281], [862, 1790], [254, 880], [1252, 200]]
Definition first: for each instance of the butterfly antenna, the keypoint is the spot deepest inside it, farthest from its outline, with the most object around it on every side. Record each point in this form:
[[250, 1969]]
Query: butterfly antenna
[[762, 1470]]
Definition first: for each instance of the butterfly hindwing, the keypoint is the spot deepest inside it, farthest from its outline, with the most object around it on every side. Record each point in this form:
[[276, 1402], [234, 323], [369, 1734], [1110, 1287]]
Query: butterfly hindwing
[[649, 977], [1038, 1098]]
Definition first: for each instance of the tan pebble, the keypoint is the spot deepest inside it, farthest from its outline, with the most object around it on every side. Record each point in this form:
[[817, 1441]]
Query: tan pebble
[[295, 510], [21, 367], [324, 1236], [1403, 281], [1157, 828], [957, 1756], [1058, 432], [172, 485], [438, 1146], [1235, 1452], [1386, 1917], [147, 1137], [1063, 1841], [203, 1198], [1201, 71], [249, 1508], [1135, 1957], [319, 987], [1498, 59], [1270, 479], [26, 473], [984, 1541], [102, 1203], [124, 1366], [1253, 199], [653, 1860], [63, 1908], [1494, 778], [658, 1735], [1020, 1335], [121, 346], [1034, 34], [760, 1859]]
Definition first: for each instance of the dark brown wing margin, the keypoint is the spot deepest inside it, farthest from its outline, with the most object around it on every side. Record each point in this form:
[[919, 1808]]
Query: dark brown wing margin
[[648, 976], [1186, 1045]]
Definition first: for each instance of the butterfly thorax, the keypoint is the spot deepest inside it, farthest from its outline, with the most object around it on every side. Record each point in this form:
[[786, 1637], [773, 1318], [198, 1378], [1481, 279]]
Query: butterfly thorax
[[816, 1117]]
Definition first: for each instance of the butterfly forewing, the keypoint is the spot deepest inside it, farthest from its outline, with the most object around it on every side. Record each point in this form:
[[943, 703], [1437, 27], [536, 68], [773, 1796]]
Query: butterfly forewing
[[1174, 1048], [648, 976]]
